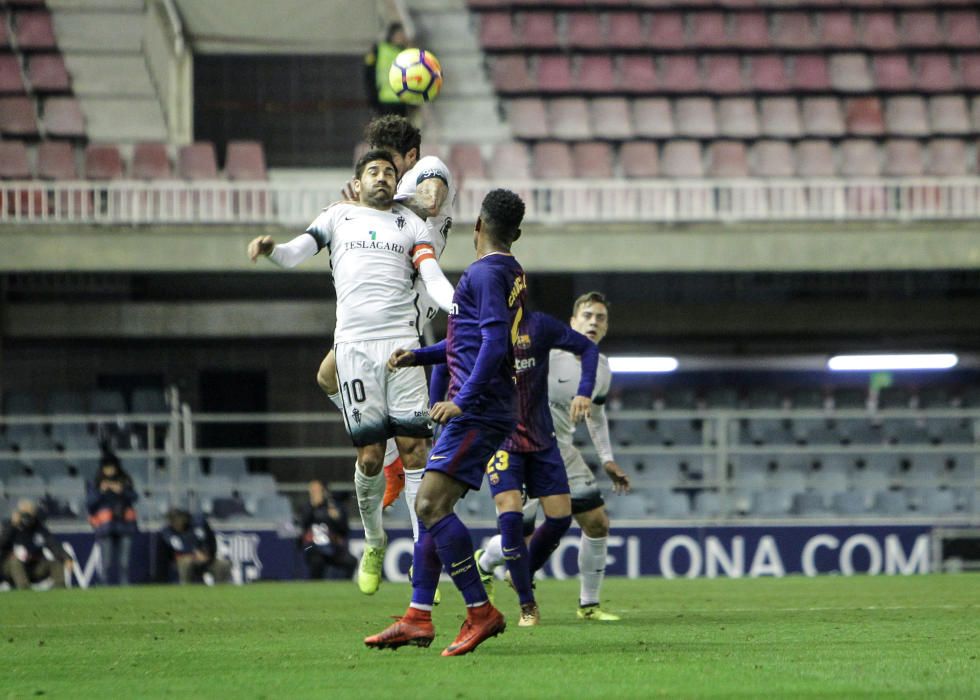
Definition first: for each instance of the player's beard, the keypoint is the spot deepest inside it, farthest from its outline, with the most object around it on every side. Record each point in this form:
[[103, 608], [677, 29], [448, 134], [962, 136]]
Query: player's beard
[[378, 198]]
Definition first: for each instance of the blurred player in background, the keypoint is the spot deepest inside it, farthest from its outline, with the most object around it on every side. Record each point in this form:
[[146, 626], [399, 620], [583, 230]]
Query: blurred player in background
[[376, 249], [479, 415], [377, 63]]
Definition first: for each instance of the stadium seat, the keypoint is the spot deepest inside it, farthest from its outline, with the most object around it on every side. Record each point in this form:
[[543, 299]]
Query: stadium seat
[[637, 75], [56, 161], [23, 486], [723, 75], [625, 31], [851, 503], [554, 74], [466, 161], [11, 81], [231, 467], [4, 36], [779, 117], [737, 118], [849, 73], [947, 158], [682, 159], [595, 74], [197, 161], [892, 72], [592, 159], [34, 31], [904, 116], [963, 29], [13, 161], [17, 117], [497, 32], [708, 30], [879, 32], [629, 506], [809, 503], [810, 73], [768, 74], [772, 503], [695, 116], [707, 504], [772, 159], [552, 159], [862, 116], [836, 30], [792, 30], [538, 30], [245, 161], [509, 74], [569, 118], [920, 29], [822, 117], [750, 30], [150, 162], [47, 73], [970, 71], [583, 31], [611, 118], [948, 115], [639, 159], [511, 161], [527, 118], [274, 507], [672, 505], [667, 31], [903, 158], [652, 118], [63, 118], [727, 159], [103, 162], [934, 73], [890, 503], [680, 74], [938, 502]]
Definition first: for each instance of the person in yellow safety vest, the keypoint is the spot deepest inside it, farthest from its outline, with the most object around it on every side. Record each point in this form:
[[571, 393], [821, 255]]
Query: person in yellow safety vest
[[377, 63]]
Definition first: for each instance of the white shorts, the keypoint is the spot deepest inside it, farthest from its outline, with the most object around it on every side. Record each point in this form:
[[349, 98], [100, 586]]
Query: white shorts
[[380, 403]]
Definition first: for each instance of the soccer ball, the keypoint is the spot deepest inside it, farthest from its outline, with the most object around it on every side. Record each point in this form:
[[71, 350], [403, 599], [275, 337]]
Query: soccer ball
[[415, 76]]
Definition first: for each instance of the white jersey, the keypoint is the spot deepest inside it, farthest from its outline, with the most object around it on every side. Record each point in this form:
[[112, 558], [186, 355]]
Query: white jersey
[[565, 371], [372, 254], [439, 225]]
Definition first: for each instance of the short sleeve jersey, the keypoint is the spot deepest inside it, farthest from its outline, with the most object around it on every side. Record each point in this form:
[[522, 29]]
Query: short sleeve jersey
[[374, 255], [563, 380]]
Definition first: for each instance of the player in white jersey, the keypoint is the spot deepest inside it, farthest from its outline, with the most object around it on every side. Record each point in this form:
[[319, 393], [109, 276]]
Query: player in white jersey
[[377, 247]]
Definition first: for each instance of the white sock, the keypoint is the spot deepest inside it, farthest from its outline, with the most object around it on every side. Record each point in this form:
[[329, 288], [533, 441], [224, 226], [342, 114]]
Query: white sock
[[413, 480], [335, 400], [370, 492], [592, 567], [493, 554]]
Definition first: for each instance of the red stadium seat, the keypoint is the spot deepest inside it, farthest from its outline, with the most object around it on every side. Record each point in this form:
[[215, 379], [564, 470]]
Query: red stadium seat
[[510, 161], [879, 31], [245, 161], [723, 75], [103, 162], [638, 75], [510, 75], [903, 158], [768, 74], [652, 118], [63, 118], [750, 30], [569, 118], [837, 30], [779, 116], [527, 118], [47, 73], [849, 73], [737, 118], [934, 73], [947, 158], [11, 81], [859, 158], [197, 161], [552, 159], [727, 159], [639, 159], [862, 116], [792, 30], [773, 159], [920, 29], [815, 159], [822, 117], [680, 74], [708, 30], [4, 36], [555, 74], [34, 31], [17, 117], [963, 28], [667, 31], [592, 159], [596, 74], [497, 32], [583, 31], [892, 72], [970, 71], [56, 161], [611, 118], [466, 161], [626, 31], [695, 116], [150, 162], [13, 161], [810, 73], [905, 116], [538, 30], [949, 115], [682, 159]]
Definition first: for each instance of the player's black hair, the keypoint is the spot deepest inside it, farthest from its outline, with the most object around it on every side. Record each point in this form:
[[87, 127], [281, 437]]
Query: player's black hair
[[394, 133], [502, 212], [393, 29], [590, 298], [372, 155]]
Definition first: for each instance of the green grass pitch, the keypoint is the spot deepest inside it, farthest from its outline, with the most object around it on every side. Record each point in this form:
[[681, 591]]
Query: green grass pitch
[[793, 637]]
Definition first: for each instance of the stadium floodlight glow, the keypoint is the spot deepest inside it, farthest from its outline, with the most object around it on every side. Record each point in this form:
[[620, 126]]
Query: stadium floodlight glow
[[642, 365], [873, 363]]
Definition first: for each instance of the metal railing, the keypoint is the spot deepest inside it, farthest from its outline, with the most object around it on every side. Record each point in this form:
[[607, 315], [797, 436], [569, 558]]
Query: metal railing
[[548, 201]]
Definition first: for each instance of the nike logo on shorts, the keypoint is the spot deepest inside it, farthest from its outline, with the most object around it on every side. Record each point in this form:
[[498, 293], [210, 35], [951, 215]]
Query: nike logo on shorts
[[433, 458], [460, 563], [562, 381]]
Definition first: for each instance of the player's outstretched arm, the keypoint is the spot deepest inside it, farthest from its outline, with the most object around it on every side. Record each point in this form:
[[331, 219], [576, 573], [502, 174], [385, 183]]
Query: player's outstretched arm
[[436, 284], [401, 358], [261, 245], [564, 338], [620, 480], [291, 254]]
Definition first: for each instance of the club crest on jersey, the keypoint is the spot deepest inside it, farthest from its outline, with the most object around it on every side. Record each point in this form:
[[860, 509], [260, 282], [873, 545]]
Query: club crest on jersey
[[523, 341], [400, 221], [356, 415]]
